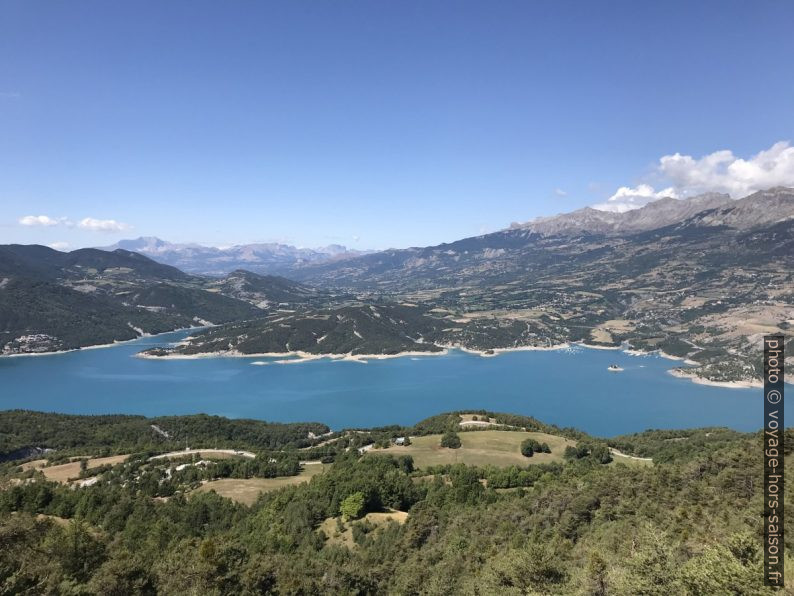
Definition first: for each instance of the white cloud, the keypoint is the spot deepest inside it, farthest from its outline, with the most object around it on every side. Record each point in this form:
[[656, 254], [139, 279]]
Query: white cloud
[[38, 220], [560, 192], [720, 171], [102, 225], [59, 245], [627, 198]]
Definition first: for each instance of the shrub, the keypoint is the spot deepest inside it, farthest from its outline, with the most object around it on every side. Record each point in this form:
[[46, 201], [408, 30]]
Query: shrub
[[353, 506], [450, 440], [530, 446]]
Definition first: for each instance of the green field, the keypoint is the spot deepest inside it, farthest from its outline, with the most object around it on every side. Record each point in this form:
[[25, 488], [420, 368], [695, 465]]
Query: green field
[[480, 448], [247, 490]]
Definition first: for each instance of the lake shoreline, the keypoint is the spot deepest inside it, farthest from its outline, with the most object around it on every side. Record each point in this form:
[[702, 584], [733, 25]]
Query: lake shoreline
[[570, 387], [299, 357], [291, 357], [753, 384], [101, 346]]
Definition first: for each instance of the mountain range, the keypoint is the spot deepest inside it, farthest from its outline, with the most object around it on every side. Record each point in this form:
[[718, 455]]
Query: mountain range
[[271, 258], [541, 248], [762, 208]]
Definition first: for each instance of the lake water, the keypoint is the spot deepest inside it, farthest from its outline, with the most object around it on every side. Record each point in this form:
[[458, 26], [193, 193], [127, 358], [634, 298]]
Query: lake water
[[566, 387]]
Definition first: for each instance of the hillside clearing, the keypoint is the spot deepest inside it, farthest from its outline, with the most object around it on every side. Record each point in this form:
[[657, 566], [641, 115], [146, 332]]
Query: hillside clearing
[[340, 533], [64, 472], [480, 448], [247, 490]]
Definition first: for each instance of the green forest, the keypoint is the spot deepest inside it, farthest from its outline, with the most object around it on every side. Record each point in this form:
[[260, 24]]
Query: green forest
[[689, 522]]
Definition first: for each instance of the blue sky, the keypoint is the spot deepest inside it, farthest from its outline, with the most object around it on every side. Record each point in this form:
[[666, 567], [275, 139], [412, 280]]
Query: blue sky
[[377, 124]]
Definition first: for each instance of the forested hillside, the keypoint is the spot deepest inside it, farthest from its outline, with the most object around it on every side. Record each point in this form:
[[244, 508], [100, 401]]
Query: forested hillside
[[52, 301], [688, 524]]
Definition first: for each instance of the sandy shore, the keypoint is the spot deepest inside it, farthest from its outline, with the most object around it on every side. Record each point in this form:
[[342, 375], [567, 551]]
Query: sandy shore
[[677, 358], [595, 347], [754, 384], [496, 351], [299, 357], [295, 357]]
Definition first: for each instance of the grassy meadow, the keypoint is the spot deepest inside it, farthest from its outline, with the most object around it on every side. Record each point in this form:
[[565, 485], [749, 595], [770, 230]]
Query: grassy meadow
[[247, 490], [480, 448]]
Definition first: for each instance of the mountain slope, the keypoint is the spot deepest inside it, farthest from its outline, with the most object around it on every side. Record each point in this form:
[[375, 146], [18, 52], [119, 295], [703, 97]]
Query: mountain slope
[[361, 329], [55, 301], [523, 252], [41, 316], [266, 290], [657, 214], [44, 262]]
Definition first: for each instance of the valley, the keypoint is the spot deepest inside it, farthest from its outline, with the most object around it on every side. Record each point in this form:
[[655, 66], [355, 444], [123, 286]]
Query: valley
[[696, 289], [690, 279]]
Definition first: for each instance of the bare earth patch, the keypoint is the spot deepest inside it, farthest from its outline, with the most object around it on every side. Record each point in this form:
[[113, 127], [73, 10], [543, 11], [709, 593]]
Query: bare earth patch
[[206, 454], [601, 335], [34, 465], [64, 472]]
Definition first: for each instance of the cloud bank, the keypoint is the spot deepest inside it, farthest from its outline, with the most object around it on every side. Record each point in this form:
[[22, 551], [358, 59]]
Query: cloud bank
[[721, 171], [102, 225], [38, 220], [627, 198], [87, 223]]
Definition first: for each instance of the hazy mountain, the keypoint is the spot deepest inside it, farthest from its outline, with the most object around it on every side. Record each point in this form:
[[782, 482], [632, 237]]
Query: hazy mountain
[[268, 258]]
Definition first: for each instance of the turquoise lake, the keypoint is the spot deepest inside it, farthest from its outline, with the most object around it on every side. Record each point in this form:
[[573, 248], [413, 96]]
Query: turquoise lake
[[565, 387]]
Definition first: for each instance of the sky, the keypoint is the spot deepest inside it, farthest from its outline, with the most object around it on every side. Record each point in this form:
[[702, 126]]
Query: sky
[[378, 124]]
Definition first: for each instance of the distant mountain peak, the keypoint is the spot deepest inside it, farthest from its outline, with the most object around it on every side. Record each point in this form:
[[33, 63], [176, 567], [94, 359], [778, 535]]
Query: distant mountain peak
[[261, 257]]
